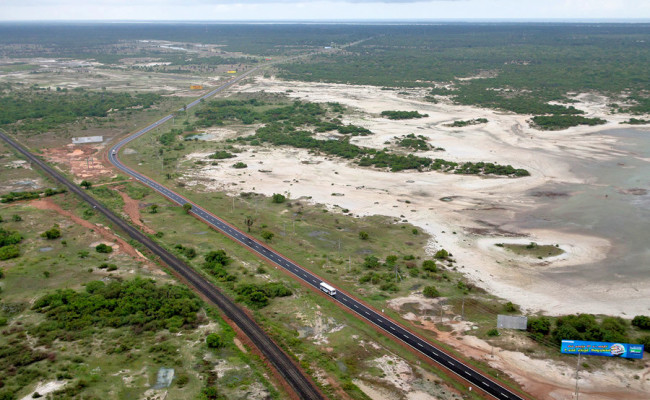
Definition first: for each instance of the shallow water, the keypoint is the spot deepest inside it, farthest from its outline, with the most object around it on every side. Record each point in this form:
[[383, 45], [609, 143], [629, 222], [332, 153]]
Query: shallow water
[[613, 204]]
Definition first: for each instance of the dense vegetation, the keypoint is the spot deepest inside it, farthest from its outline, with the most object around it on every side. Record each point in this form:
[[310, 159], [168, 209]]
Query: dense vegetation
[[521, 67], [292, 125], [402, 114], [29, 195], [39, 110], [413, 142], [559, 122], [140, 304], [9, 244], [463, 123], [585, 327]]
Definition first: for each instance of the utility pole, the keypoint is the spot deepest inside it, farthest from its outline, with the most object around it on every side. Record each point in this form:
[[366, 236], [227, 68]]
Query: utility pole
[[462, 309], [577, 376]]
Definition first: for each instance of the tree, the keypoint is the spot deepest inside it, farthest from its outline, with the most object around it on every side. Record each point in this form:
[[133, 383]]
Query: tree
[[53, 233], [249, 222], [187, 207], [214, 341], [103, 248], [363, 235], [278, 198], [239, 165], [85, 184], [267, 235], [153, 209], [430, 292]]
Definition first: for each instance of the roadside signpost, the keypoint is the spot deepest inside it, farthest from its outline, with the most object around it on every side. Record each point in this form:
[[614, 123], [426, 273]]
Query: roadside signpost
[[604, 349]]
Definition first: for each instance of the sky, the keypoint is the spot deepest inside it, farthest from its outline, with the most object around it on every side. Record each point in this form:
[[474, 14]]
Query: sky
[[304, 10]]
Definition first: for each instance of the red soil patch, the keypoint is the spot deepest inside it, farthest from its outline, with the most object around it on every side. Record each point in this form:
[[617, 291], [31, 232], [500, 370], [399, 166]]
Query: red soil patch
[[132, 209], [83, 161]]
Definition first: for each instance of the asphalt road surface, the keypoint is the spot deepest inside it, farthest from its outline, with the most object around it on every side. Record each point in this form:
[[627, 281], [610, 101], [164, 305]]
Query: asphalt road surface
[[303, 387], [475, 378]]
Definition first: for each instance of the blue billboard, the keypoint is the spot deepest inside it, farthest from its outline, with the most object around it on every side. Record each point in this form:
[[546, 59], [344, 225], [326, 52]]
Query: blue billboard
[[602, 349]]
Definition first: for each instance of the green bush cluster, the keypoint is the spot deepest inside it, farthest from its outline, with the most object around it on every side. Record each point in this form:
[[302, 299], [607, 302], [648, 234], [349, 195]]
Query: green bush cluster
[[221, 155], [259, 295], [38, 110], [188, 252], [463, 123], [29, 195], [215, 264], [559, 122], [413, 142], [9, 244], [580, 327], [402, 114], [138, 303]]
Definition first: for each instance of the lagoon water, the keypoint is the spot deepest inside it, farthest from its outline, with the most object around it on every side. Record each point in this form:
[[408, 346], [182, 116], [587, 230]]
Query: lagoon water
[[613, 204]]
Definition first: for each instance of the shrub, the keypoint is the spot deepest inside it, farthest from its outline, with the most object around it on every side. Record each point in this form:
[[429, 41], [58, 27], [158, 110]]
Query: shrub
[[267, 235], [539, 325], [103, 248], [510, 307], [493, 332], [278, 198], [53, 233], [363, 235], [429, 265], [182, 379], [430, 292], [441, 254], [85, 184], [239, 165], [642, 322], [187, 207], [214, 341], [8, 252], [16, 218]]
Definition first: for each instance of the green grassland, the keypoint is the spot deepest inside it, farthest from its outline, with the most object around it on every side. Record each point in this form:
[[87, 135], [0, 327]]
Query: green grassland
[[113, 362], [533, 249]]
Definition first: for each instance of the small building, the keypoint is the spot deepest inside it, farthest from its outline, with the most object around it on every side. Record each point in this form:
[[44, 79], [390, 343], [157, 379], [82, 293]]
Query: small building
[[87, 139], [232, 72], [196, 87]]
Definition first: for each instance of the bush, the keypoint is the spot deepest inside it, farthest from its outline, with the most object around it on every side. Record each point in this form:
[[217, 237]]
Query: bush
[[239, 165], [429, 265], [510, 307], [214, 341], [441, 254], [493, 332], [16, 218], [8, 252], [182, 380], [363, 235], [85, 184], [103, 248], [430, 292], [267, 235], [641, 322], [53, 233], [539, 325], [278, 198]]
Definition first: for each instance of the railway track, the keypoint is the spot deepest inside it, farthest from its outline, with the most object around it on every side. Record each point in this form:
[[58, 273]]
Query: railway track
[[294, 377]]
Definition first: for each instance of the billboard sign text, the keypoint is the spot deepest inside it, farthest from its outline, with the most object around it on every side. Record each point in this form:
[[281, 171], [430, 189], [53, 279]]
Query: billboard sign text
[[606, 349]]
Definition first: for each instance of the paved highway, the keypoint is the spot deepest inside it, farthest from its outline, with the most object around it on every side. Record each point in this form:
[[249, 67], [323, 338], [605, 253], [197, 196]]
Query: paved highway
[[475, 378], [303, 387]]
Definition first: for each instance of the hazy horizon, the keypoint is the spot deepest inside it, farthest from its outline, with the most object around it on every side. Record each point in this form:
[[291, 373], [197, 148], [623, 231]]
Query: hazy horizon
[[326, 11]]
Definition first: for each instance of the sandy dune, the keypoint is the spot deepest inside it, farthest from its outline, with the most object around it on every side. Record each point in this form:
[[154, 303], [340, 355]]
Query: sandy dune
[[481, 208]]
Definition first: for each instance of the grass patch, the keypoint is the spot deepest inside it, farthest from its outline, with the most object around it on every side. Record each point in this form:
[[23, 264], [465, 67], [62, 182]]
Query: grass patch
[[533, 249]]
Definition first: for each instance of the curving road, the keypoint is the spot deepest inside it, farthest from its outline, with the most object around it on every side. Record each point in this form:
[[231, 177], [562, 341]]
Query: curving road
[[475, 378], [302, 386]]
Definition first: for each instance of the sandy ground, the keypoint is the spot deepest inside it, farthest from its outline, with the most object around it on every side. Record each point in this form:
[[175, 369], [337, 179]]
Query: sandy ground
[[83, 161], [481, 207], [541, 378], [45, 388]]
